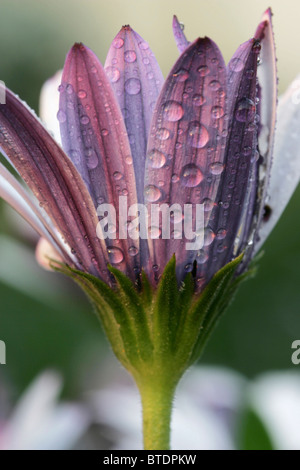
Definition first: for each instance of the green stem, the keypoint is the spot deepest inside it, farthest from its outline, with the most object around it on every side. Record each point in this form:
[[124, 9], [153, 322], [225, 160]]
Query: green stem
[[157, 397]]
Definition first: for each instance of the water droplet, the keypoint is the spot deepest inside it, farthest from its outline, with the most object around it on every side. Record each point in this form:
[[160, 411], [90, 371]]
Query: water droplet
[[236, 65], [250, 74], [202, 257], [81, 94], [115, 255], [245, 110], [113, 74], [216, 168], [188, 267], [209, 236], [175, 178], [84, 119], [130, 56], [181, 75], [61, 116], [208, 204], [156, 159], [256, 47], [191, 176], [69, 89], [198, 100], [133, 251], [203, 70], [155, 267], [199, 134], [144, 46], [214, 85], [146, 61], [104, 132], [247, 150], [129, 160], [162, 133], [117, 175], [91, 158], [118, 43], [133, 86], [150, 75], [217, 112], [173, 111], [152, 193], [221, 234], [154, 232]]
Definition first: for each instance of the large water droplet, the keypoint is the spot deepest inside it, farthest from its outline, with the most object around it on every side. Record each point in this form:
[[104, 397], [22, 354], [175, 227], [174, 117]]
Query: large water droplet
[[115, 254], [156, 159], [199, 134], [209, 236], [130, 56], [181, 75], [191, 176], [152, 193], [91, 158], [198, 100], [162, 133], [236, 65], [112, 73], [118, 43], [133, 251], [133, 86], [216, 168], [61, 116], [245, 110], [173, 111]]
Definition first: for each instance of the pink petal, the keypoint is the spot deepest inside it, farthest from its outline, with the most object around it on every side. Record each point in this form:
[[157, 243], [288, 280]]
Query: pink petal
[[181, 41], [95, 138], [136, 79], [54, 181], [185, 149]]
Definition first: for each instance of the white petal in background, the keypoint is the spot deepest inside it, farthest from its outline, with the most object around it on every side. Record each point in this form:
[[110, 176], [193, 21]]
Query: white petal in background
[[49, 104], [285, 172]]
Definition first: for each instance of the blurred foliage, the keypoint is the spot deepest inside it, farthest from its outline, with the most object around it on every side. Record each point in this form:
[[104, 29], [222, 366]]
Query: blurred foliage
[[257, 331]]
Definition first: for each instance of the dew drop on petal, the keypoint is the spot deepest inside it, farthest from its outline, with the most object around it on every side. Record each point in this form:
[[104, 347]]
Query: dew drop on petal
[[191, 176], [144, 46], [61, 116], [175, 178], [221, 234], [199, 134], [146, 61], [217, 112], [198, 100], [133, 86], [203, 70], [162, 133], [91, 159], [188, 267], [245, 110], [208, 204], [133, 251], [117, 175], [115, 255], [75, 156], [152, 193], [112, 73], [130, 56], [104, 132], [84, 119], [209, 236], [216, 168], [181, 75], [118, 43], [156, 159], [236, 65], [172, 110], [214, 85], [201, 257], [129, 160], [81, 94]]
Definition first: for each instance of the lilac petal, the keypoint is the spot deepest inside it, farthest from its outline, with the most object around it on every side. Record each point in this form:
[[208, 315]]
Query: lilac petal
[[95, 138], [185, 149], [285, 173], [236, 190], [54, 181], [136, 79], [181, 41], [49, 103]]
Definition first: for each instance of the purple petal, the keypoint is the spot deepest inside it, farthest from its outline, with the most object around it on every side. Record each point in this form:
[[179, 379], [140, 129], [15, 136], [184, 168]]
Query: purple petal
[[181, 41], [54, 181], [235, 198], [95, 138], [136, 79], [185, 149]]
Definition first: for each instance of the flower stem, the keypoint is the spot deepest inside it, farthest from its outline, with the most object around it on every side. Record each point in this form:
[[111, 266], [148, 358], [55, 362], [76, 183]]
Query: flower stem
[[157, 397]]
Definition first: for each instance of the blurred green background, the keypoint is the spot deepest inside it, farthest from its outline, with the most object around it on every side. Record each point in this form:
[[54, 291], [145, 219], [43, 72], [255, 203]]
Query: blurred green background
[[44, 320]]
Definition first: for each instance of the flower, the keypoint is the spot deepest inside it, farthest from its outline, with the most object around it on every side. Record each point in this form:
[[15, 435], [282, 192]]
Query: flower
[[205, 137]]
